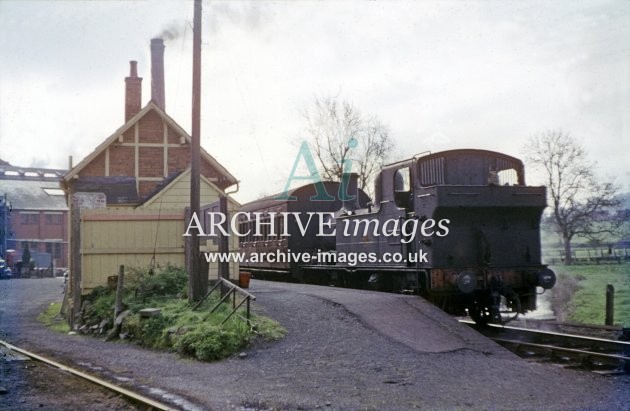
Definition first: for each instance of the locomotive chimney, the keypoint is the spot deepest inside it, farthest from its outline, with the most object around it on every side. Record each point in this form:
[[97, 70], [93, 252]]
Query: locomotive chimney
[[133, 91], [350, 199], [157, 72]]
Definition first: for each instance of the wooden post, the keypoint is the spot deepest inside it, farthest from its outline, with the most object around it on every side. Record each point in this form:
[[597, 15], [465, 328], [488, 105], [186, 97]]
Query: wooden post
[[187, 245], [196, 289], [119, 291], [224, 244], [75, 265], [247, 307], [610, 305]]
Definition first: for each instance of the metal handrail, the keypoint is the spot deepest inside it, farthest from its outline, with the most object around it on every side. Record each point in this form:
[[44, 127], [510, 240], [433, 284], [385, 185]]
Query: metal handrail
[[233, 289]]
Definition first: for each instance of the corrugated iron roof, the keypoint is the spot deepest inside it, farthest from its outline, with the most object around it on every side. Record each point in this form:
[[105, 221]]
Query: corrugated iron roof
[[26, 194]]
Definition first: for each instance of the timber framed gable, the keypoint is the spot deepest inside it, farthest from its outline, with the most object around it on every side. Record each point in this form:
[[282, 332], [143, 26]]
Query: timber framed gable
[[150, 147]]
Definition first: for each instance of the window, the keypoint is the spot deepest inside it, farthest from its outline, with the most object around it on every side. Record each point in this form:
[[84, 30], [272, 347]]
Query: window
[[29, 218], [401, 180], [53, 219], [241, 228], [250, 236], [280, 225], [402, 188], [54, 191], [507, 177], [265, 229]]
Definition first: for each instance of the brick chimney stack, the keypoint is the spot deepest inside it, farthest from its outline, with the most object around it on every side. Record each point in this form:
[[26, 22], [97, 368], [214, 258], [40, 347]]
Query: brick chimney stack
[[157, 72], [133, 91]]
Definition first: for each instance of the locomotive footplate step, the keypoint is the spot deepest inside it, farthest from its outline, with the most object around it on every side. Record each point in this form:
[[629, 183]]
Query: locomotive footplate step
[[407, 319]]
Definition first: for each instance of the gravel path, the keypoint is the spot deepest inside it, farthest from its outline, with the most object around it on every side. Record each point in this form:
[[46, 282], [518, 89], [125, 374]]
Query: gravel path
[[28, 385], [345, 349]]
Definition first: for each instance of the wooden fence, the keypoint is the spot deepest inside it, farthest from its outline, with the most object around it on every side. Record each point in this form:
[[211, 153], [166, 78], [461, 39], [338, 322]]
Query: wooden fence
[[129, 237], [589, 256]]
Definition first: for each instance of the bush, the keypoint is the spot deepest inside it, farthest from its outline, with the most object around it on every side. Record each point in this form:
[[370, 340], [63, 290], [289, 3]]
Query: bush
[[132, 326], [197, 334], [210, 342], [168, 283], [98, 305], [152, 331]]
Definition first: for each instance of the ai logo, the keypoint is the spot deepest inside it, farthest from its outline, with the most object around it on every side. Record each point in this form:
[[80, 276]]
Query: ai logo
[[322, 194]]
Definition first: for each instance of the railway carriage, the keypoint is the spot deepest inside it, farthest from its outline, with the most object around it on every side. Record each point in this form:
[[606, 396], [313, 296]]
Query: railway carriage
[[300, 200]]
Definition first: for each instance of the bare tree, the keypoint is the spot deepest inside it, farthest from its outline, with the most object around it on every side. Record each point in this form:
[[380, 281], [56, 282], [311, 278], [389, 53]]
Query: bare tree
[[581, 205], [340, 133]]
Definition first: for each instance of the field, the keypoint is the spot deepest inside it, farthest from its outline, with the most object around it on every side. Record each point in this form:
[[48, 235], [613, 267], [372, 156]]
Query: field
[[581, 292]]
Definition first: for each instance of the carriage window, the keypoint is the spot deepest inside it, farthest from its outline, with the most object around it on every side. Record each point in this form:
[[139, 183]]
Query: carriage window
[[279, 225], [241, 227], [265, 230], [276, 233], [250, 231]]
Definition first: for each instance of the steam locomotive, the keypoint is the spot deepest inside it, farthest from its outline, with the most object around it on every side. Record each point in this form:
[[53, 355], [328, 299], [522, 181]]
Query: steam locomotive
[[458, 227]]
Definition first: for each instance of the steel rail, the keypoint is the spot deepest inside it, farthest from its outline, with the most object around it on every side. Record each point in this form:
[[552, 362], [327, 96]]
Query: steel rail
[[619, 348], [622, 346], [95, 380], [615, 357]]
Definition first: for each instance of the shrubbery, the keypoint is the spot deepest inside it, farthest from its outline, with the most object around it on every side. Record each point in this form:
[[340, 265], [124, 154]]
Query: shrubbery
[[196, 333]]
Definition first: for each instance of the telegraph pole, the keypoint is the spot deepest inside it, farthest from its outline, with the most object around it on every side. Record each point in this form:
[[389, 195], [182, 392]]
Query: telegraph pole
[[196, 284], [4, 226]]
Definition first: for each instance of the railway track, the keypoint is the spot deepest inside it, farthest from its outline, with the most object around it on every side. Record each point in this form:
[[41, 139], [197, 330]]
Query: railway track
[[136, 399], [599, 355]]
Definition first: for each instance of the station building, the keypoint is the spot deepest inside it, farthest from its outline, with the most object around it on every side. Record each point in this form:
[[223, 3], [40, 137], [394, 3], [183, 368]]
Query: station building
[[128, 197]]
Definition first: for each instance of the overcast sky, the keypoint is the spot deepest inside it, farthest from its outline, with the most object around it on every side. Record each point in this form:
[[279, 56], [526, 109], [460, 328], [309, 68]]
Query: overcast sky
[[441, 75]]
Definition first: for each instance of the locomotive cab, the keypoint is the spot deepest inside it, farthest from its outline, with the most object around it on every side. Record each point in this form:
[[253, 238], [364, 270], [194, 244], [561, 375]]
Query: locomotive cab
[[491, 257]]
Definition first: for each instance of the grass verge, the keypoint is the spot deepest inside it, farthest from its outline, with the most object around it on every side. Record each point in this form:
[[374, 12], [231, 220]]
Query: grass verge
[[199, 334], [587, 283], [52, 318]]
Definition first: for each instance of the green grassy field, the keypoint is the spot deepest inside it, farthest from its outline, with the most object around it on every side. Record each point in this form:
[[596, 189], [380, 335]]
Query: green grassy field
[[587, 303]]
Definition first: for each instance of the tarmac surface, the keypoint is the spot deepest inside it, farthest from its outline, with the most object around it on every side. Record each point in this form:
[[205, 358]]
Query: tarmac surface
[[407, 319], [345, 349]]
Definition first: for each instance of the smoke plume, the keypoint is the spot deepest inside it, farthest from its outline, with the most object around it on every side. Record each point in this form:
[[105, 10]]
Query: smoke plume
[[171, 31]]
